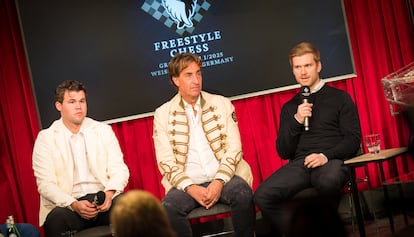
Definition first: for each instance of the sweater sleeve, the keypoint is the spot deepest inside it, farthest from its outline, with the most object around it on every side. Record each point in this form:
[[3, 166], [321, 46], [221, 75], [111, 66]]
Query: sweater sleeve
[[289, 131], [349, 125]]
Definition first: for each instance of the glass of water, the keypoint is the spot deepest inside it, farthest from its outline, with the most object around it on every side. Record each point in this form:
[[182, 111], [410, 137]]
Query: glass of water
[[373, 143]]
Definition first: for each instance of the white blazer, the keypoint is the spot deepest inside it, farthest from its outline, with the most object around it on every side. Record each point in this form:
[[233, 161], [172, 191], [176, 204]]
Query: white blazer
[[53, 163]]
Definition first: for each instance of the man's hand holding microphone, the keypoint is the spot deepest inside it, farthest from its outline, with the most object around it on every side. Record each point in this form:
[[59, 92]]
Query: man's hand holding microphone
[[304, 111]]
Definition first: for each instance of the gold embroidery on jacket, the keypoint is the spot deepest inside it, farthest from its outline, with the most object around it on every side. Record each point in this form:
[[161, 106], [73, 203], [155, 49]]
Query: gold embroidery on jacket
[[168, 170], [214, 130], [218, 126]]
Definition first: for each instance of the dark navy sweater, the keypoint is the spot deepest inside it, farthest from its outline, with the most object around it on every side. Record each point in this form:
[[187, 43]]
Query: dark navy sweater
[[334, 127]]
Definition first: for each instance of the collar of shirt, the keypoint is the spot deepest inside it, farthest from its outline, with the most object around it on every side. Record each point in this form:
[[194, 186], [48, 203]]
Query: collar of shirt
[[197, 104], [201, 164], [318, 86], [190, 111], [69, 134]]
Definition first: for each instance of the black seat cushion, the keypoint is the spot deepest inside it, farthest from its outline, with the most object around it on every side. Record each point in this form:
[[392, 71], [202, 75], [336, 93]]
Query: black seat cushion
[[98, 231], [198, 212]]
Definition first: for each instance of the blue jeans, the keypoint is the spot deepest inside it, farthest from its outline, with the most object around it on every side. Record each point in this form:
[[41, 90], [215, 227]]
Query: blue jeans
[[236, 193], [25, 230]]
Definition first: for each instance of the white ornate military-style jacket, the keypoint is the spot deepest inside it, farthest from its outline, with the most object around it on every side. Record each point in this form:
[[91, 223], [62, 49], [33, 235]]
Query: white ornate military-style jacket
[[172, 136]]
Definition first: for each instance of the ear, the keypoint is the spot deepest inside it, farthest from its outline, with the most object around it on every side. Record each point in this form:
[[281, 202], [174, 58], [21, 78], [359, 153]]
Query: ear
[[58, 106], [176, 81], [319, 67]]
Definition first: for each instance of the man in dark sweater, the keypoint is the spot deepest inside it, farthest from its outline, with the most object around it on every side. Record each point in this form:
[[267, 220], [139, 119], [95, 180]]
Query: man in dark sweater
[[315, 155]]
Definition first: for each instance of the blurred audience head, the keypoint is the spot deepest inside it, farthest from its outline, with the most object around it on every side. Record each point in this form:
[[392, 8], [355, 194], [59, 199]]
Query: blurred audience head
[[139, 213]]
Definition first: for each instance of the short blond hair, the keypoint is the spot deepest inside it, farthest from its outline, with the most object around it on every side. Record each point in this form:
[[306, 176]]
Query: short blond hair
[[304, 48]]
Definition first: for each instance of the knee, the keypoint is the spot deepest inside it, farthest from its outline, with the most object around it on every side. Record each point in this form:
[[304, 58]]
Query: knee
[[330, 185], [56, 220], [258, 197], [168, 206], [57, 216], [173, 208], [239, 193], [263, 197], [245, 195]]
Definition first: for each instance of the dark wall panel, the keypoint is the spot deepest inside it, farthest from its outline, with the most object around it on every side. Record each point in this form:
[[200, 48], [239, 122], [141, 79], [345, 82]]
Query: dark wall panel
[[120, 49]]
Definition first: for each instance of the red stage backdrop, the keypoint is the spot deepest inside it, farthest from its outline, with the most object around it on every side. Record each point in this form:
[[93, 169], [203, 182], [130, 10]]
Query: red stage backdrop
[[382, 38]]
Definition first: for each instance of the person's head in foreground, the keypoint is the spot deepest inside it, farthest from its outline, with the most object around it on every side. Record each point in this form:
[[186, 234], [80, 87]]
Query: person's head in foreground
[[139, 213]]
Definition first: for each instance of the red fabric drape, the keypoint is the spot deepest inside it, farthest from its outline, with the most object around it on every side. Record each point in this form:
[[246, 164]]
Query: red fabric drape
[[382, 39], [382, 42], [18, 121]]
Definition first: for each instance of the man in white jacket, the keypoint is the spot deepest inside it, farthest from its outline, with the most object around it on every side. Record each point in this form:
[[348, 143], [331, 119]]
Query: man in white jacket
[[78, 165], [199, 152]]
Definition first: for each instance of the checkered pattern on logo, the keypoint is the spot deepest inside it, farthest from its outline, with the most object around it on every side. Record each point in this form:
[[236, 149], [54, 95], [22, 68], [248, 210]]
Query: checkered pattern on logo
[[156, 10]]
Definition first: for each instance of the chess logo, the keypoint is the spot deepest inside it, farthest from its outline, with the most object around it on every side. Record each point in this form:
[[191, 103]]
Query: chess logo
[[179, 15], [305, 90], [181, 12]]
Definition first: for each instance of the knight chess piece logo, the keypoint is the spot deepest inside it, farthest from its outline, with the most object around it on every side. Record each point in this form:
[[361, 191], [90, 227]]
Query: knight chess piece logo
[[180, 15], [181, 12]]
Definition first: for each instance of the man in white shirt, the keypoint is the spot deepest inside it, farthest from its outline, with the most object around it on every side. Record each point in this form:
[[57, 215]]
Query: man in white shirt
[[78, 165], [199, 153]]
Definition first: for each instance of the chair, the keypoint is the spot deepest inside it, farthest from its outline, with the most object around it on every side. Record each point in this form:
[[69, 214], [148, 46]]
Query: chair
[[214, 229], [312, 193], [98, 231]]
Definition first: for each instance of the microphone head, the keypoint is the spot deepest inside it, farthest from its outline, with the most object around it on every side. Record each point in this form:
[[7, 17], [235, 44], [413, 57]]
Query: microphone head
[[100, 198], [305, 91]]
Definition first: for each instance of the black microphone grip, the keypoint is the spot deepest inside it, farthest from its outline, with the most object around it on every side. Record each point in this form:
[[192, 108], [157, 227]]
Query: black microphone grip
[[306, 122], [99, 198], [305, 93]]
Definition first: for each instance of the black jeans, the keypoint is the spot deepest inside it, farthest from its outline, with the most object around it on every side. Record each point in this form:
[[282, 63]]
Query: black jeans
[[272, 194], [62, 220], [236, 193]]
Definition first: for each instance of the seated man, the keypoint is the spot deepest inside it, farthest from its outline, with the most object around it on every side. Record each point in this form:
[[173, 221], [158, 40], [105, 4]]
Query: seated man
[[78, 165], [315, 154], [199, 153]]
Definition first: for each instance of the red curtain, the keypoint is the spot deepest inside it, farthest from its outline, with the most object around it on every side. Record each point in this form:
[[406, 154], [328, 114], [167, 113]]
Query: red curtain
[[382, 38], [18, 121]]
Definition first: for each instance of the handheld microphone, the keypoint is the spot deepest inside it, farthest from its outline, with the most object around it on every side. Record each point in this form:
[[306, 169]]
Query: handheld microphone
[[96, 198], [305, 93], [99, 198]]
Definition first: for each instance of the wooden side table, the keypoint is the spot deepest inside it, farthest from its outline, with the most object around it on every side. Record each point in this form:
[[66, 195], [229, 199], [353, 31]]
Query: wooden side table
[[362, 160]]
